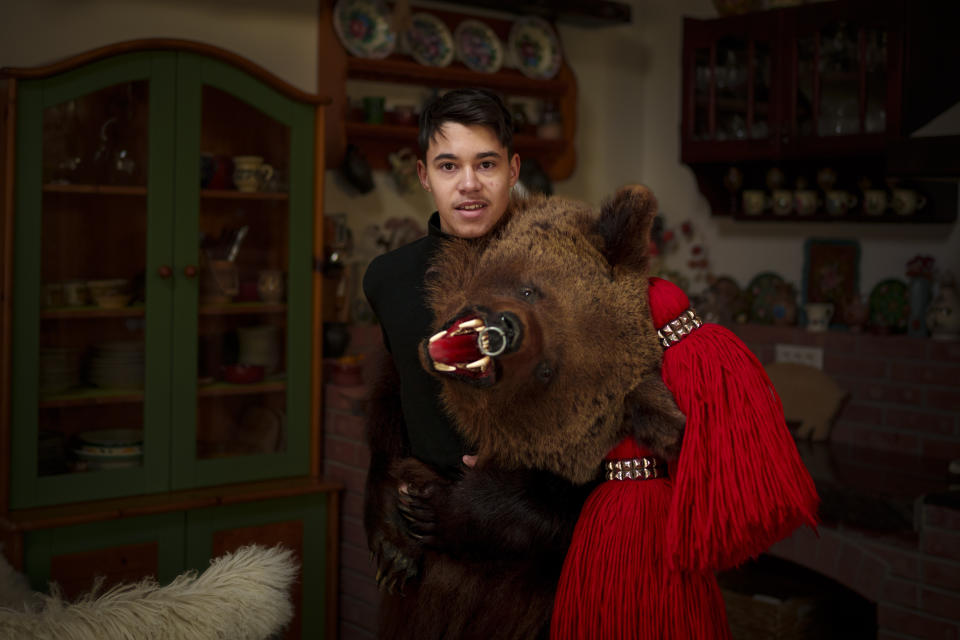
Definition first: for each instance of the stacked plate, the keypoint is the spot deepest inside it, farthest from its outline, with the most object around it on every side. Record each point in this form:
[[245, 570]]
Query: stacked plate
[[59, 369], [117, 365], [110, 448]]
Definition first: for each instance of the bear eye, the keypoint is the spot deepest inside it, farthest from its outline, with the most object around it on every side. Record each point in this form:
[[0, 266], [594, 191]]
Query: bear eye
[[529, 293]]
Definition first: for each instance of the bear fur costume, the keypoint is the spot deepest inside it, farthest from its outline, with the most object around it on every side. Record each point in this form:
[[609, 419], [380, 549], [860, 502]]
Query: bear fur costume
[[565, 290]]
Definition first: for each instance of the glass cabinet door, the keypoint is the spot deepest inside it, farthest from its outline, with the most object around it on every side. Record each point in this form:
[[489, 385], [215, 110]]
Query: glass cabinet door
[[731, 70], [242, 343], [841, 65], [91, 345]]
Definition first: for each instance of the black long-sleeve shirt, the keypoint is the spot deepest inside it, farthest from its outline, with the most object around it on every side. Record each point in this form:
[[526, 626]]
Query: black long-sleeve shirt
[[393, 284]]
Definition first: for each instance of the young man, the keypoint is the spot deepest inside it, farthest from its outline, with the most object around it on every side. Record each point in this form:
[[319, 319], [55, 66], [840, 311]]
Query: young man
[[468, 165]]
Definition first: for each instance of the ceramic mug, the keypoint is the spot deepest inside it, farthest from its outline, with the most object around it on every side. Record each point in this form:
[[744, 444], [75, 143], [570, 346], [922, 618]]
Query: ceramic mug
[[805, 202], [259, 345], [818, 315], [754, 202], [838, 202], [53, 295], [270, 285], [221, 281], [782, 202], [874, 202], [250, 172], [907, 201], [75, 293], [373, 109]]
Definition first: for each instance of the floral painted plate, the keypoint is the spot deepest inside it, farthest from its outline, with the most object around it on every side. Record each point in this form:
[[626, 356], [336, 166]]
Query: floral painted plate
[[763, 292], [535, 48], [363, 27], [429, 41], [478, 46], [890, 306]]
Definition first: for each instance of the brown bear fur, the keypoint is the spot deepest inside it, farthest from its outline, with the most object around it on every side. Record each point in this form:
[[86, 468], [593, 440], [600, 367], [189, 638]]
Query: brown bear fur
[[479, 556], [587, 323]]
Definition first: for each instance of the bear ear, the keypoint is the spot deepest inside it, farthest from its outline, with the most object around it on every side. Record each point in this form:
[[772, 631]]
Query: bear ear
[[624, 225]]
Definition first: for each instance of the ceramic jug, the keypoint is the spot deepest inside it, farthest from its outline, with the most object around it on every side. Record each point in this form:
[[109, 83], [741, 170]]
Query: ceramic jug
[[943, 314]]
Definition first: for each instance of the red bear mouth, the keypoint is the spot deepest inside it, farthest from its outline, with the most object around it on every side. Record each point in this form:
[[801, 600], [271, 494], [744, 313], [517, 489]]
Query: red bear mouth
[[459, 349]]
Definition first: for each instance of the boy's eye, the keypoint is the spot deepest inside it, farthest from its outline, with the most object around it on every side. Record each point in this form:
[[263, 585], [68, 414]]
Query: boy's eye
[[447, 166], [487, 164]]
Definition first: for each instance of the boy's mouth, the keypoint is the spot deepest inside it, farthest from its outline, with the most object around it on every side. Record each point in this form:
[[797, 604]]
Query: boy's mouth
[[471, 206]]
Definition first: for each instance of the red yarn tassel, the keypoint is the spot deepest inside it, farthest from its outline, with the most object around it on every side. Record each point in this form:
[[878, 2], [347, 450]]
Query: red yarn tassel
[[615, 584], [739, 485]]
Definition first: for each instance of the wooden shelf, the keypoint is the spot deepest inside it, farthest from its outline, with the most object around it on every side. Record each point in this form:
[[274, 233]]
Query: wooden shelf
[[404, 70], [241, 308], [94, 396], [63, 313], [62, 515], [400, 134], [230, 194], [91, 396], [338, 68], [219, 389], [96, 189]]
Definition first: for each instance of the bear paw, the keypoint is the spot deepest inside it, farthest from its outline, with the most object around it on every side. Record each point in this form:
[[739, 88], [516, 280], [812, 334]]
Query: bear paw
[[395, 566]]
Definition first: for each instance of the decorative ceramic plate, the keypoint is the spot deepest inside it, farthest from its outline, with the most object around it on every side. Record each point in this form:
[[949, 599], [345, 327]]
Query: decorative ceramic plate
[[478, 46], [112, 437], [363, 27], [890, 306], [535, 48], [429, 40], [763, 292]]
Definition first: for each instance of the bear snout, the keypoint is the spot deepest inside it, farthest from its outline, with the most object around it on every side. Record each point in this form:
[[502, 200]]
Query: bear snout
[[467, 347], [502, 334]]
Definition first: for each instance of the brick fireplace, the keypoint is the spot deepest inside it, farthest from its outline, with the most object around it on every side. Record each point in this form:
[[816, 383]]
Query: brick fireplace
[[890, 526]]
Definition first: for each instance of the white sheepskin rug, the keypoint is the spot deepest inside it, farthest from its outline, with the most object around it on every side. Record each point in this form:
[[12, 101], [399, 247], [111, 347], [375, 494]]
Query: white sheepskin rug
[[241, 596]]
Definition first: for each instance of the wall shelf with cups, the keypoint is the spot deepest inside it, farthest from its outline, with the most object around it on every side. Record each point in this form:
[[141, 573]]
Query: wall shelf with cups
[[840, 84], [160, 307], [838, 191], [553, 90]]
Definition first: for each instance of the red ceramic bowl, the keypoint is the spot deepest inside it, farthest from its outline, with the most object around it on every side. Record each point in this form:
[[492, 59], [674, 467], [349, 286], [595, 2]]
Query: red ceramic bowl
[[243, 373]]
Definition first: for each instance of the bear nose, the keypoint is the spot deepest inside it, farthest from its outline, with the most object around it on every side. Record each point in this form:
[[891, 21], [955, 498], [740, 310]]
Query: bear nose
[[500, 334]]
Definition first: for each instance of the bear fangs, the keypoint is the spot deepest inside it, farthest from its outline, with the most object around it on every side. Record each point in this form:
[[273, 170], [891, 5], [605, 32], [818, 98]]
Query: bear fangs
[[480, 364]]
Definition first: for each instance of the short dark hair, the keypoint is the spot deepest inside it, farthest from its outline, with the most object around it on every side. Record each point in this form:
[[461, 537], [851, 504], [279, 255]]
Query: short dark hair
[[467, 107]]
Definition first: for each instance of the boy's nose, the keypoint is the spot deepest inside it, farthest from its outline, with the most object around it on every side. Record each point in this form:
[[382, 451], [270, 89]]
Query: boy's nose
[[468, 180]]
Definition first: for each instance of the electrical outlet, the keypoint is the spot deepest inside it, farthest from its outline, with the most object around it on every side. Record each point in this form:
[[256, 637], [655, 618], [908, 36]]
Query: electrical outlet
[[810, 356]]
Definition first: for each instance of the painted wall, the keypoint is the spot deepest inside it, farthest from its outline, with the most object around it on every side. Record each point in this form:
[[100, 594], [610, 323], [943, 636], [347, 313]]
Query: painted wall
[[628, 129]]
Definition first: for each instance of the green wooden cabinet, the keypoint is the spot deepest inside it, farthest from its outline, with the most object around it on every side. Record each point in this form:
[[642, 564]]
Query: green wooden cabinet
[[164, 545], [163, 325], [160, 235]]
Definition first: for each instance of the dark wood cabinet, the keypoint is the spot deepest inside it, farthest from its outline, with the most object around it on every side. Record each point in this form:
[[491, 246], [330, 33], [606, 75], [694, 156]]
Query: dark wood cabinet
[[832, 84]]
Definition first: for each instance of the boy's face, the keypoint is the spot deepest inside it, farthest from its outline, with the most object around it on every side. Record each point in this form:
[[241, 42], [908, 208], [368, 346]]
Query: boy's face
[[470, 176]]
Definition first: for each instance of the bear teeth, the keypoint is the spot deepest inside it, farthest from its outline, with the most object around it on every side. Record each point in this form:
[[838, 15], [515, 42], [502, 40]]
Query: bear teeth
[[439, 366], [471, 324], [438, 336], [480, 364]]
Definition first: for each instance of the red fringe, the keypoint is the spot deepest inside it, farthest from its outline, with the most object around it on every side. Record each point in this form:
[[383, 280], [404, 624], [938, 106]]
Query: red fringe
[[739, 485], [615, 584]]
